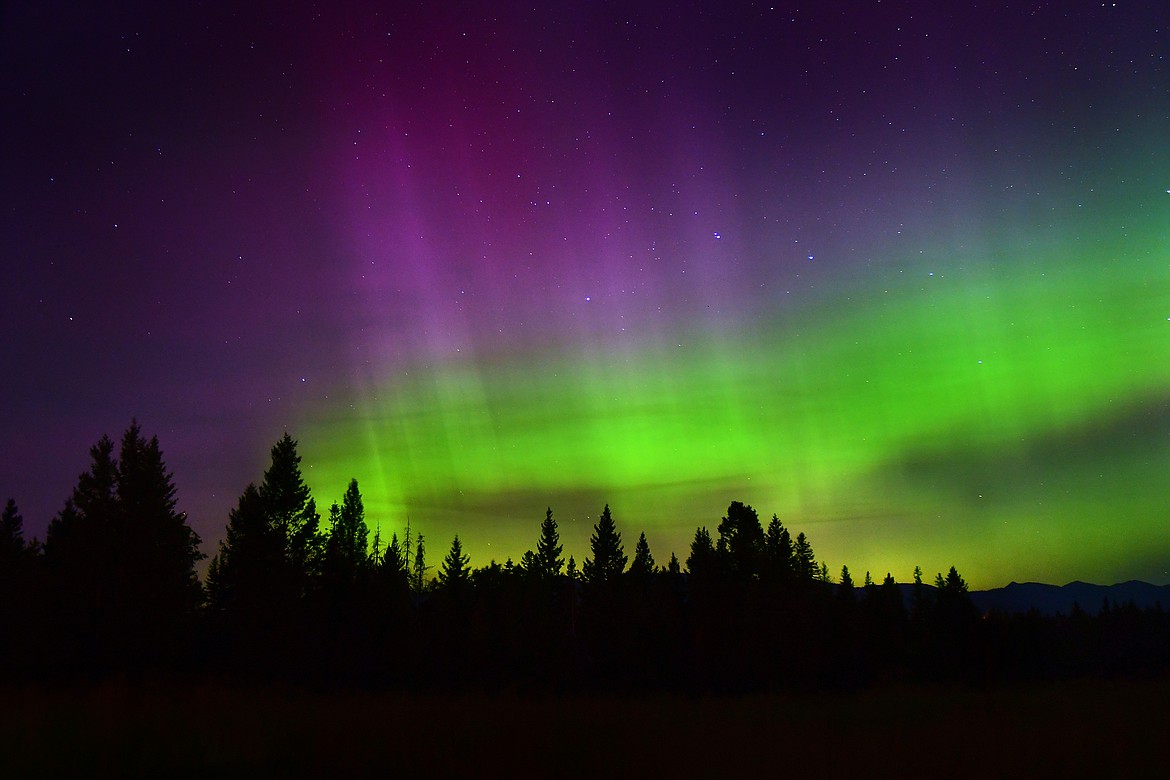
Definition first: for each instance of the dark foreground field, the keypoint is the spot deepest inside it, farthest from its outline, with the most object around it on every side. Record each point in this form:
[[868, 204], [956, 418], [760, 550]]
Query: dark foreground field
[[1081, 729]]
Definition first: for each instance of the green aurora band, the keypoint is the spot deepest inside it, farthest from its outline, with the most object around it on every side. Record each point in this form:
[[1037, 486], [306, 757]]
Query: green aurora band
[[1004, 416]]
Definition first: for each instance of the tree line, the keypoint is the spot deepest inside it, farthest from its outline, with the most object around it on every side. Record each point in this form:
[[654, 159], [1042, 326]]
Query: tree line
[[289, 597]]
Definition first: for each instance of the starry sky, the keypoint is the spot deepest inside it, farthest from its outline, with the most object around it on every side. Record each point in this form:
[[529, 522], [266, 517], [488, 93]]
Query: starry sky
[[896, 271]]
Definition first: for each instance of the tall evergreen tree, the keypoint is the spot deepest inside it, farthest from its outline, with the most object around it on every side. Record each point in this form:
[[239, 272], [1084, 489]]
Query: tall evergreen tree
[[244, 574], [643, 563], [846, 588], [571, 570], [122, 557], [419, 574], [347, 549], [160, 548], [609, 560], [673, 567], [804, 563], [548, 562], [292, 512], [741, 541], [11, 537], [701, 562], [778, 558], [455, 571]]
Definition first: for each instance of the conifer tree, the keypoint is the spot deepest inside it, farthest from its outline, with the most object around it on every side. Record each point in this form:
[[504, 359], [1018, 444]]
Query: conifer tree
[[741, 541], [393, 568], [347, 549], [122, 557], [803, 561], [609, 560], [244, 573], [455, 571], [643, 563], [547, 563], [701, 562], [11, 537], [571, 570], [673, 567], [419, 574], [846, 588], [778, 551], [292, 512]]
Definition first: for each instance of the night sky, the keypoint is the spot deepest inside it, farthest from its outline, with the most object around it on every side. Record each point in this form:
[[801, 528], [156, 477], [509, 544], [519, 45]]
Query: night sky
[[897, 272]]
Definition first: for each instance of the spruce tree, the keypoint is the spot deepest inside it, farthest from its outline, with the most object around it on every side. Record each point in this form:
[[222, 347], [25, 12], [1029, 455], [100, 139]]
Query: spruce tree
[[419, 574], [845, 590], [11, 537], [347, 549], [701, 562], [804, 563], [548, 562], [571, 569], [741, 541], [673, 567], [455, 571], [292, 512], [643, 563], [778, 551], [609, 560]]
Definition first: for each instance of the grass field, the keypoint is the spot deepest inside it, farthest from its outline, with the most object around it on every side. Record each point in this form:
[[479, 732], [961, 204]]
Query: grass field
[[1079, 729]]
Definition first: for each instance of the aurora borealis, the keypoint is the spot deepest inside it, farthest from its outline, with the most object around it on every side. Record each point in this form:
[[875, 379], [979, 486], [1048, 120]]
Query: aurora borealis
[[897, 273]]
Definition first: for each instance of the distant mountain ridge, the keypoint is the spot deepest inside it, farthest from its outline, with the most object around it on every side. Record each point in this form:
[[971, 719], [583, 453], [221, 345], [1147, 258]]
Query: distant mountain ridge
[[1018, 597]]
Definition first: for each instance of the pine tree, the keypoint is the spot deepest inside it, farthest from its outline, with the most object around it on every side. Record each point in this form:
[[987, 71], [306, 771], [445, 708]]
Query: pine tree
[[419, 574], [347, 549], [701, 562], [643, 563], [846, 588], [778, 551], [609, 560], [548, 562], [455, 571], [160, 548], [673, 567], [241, 575], [11, 537], [804, 563], [741, 541], [571, 570], [272, 550], [292, 512], [122, 557], [393, 567]]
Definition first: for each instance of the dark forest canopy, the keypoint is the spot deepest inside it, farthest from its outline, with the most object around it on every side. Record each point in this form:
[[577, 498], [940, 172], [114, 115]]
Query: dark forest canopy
[[113, 589]]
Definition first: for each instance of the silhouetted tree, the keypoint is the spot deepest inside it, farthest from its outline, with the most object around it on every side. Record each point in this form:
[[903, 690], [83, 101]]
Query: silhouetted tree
[[701, 562], [778, 553], [803, 562], [292, 512], [419, 575], [673, 566], [11, 537], [845, 589], [122, 557], [608, 560], [741, 541], [346, 551], [455, 571], [547, 564], [918, 605], [571, 569], [643, 563], [244, 574]]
